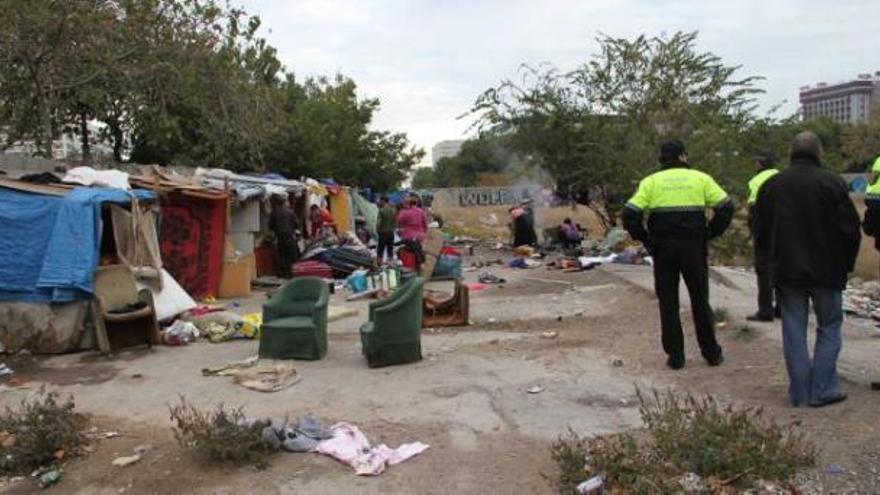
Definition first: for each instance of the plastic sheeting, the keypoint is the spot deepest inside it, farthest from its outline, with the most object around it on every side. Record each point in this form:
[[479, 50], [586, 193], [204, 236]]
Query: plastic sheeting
[[367, 210], [55, 242]]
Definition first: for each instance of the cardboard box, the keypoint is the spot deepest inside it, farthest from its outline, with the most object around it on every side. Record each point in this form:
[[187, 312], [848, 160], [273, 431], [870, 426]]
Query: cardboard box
[[235, 281], [251, 260]]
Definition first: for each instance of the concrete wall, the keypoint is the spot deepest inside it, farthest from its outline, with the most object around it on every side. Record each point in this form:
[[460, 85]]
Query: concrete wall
[[485, 196]]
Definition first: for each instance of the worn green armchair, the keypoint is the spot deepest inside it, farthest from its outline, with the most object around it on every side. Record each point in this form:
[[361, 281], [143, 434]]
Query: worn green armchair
[[295, 321], [393, 334]]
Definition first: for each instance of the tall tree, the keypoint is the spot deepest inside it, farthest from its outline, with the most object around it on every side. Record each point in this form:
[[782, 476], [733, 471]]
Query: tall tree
[[596, 129]]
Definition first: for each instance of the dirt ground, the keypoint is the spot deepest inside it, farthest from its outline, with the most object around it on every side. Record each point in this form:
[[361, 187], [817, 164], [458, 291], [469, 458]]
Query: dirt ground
[[468, 398]]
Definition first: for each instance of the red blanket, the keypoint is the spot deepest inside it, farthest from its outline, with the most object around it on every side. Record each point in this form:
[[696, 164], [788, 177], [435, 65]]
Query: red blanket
[[191, 241]]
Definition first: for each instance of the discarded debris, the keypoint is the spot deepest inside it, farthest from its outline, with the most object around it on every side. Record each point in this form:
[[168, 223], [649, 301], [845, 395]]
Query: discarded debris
[[549, 335], [537, 389], [126, 461], [617, 362], [591, 485], [49, 478], [5, 370]]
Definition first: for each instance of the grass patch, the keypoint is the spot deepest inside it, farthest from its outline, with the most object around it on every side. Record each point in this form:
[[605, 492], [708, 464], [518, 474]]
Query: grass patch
[[728, 447], [40, 431], [745, 333], [721, 315], [220, 434]]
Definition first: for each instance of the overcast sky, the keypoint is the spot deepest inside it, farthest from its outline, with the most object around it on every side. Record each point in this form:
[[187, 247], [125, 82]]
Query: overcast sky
[[427, 60]]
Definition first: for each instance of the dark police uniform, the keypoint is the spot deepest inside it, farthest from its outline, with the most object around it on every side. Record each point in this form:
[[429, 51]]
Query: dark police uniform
[[676, 199]]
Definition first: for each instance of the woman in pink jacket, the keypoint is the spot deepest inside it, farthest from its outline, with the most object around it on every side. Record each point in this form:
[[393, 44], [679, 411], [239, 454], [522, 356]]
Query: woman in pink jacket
[[412, 222]]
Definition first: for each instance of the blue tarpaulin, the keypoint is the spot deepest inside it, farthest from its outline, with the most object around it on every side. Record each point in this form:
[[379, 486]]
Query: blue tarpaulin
[[49, 245]]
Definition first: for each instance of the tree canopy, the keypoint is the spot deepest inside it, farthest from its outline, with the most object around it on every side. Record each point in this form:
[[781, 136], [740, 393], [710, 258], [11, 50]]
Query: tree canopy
[[187, 82], [596, 129]]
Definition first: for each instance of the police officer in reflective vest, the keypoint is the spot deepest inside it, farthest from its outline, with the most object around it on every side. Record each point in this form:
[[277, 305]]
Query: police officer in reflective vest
[[676, 199], [871, 223], [766, 165]]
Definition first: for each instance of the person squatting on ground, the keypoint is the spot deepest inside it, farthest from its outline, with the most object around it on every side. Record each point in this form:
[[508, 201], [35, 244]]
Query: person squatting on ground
[[766, 166], [385, 227], [284, 224], [676, 199], [809, 228], [571, 234]]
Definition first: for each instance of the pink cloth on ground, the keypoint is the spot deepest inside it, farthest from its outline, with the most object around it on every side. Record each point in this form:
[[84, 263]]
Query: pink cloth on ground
[[350, 446]]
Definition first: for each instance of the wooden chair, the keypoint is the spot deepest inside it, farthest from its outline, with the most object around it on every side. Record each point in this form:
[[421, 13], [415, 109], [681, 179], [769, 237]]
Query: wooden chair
[[123, 316]]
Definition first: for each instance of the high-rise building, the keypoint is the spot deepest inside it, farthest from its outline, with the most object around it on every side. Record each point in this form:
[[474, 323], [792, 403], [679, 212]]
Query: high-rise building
[[845, 103], [445, 149]]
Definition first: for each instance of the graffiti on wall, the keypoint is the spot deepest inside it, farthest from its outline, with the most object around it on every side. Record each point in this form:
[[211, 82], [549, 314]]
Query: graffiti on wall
[[488, 196]]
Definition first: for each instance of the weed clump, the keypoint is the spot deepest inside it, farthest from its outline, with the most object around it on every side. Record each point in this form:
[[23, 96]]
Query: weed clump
[[220, 434], [726, 447], [40, 431]]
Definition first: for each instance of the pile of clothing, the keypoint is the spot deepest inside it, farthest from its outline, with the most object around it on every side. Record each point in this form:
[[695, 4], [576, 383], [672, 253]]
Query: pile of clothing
[[344, 442]]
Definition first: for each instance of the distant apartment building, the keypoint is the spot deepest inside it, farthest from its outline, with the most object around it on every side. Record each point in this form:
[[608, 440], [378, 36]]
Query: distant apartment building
[[67, 146], [445, 149], [845, 103]]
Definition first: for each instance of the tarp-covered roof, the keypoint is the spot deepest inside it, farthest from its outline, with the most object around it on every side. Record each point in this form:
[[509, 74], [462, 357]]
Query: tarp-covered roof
[[54, 240]]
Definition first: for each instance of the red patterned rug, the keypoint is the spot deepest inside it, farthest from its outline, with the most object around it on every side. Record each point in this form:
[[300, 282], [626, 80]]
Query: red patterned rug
[[191, 241]]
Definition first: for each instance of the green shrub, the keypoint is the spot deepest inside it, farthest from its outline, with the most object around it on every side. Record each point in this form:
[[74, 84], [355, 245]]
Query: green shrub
[[726, 442], [219, 434], [726, 446], [40, 431]]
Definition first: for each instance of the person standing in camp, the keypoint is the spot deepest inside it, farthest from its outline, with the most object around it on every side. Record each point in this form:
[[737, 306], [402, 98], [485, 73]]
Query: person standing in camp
[[284, 224], [413, 227], [385, 227], [871, 222], [766, 166], [522, 227], [676, 199], [807, 224]]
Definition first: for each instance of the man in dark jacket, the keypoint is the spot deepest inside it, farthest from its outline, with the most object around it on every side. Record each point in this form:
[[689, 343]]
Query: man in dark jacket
[[809, 228], [283, 222]]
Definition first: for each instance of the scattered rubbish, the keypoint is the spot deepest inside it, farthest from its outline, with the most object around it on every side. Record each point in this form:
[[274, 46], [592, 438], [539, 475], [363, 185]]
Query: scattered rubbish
[[834, 469], [335, 313], [142, 449], [490, 220], [692, 483], [494, 342], [875, 385], [5, 370], [591, 485], [263, 375], [617, 362], [549, 335], [476, 286], [489, 278], [111, 434], [559, 318], [180, 333], [49, 478], [350, 446], [492, 320], [137, 375], [862, 299], [126, 460], [302, 436], [537, 389]]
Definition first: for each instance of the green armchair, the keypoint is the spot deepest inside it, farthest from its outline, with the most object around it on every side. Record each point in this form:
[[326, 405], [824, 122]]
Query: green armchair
[[393, 334], [295, 321]]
